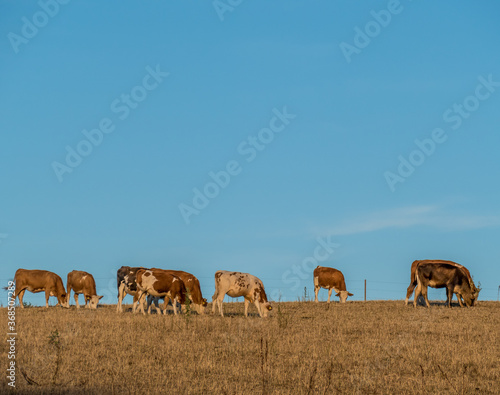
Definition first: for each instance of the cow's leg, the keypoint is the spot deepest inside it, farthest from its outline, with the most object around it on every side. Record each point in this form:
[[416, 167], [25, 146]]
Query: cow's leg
[[409, 291], [142, 302], [316, 290], [214, 301], [76, 301], [149, 300], [247, 302], [219, 305], [329, 294], [47, 296], [424, 294], [449, 296], [259, 308], [137, 301], [174, 304], [21, 295], [418, 291], [165, 304], [121, 295], [156, 302], [68, 295]]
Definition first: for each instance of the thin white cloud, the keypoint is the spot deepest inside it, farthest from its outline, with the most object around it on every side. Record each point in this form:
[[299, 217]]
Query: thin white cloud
[[407, 217]]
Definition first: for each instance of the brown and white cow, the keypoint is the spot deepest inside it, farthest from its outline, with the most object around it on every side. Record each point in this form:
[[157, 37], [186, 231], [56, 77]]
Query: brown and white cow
[[237, 284], [331, 279], [159, 283], [413, 277], [82, 283], [193, 289], [443, 275], [37, 281]]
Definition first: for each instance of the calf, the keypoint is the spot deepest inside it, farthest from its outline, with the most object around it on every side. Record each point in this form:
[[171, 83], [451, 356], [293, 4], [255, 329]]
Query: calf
[[237, 284], [82, 283], [331, 279], [38, 281], [443, 275]]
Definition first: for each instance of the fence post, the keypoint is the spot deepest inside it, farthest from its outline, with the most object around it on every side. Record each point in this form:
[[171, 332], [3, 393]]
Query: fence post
[[365, 290]]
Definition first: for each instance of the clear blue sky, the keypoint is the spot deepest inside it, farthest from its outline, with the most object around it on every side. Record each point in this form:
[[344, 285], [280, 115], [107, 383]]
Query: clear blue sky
[[310, 110]]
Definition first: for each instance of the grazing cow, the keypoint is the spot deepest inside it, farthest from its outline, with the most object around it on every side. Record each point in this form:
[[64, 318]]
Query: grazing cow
[[331, 279], [237, 284], [413, 277], [443, 275], [82, 283], [193, 291], [38, 281], [159, 283]]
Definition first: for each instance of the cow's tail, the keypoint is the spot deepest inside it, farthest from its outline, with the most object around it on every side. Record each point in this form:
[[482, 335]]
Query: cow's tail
[[7, 287], [216, 293], [418, 280], [413, 275]]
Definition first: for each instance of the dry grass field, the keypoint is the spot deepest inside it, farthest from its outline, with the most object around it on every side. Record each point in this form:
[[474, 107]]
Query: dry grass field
[[365, 348]]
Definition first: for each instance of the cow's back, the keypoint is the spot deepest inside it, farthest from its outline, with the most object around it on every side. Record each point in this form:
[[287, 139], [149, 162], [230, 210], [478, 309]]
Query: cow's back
[[81, 281], [328, 277], [37, 279]]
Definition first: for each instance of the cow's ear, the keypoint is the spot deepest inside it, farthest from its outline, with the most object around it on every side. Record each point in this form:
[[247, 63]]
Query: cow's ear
[[337, 294], [100, 297], [350, 294], [87, 298], [269, 308]]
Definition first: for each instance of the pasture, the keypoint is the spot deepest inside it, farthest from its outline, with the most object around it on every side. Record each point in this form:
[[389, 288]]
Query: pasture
[[302, 348]]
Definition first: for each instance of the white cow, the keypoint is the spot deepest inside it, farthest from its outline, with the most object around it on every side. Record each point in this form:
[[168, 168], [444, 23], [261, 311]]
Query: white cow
[[237, 284]]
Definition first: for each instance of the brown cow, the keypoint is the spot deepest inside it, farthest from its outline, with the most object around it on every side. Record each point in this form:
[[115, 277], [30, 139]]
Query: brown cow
[[193, 290], [38, 281], [331, 279], [443, 275], [237, 284], [82, 283], [413, 277], [159, 283]]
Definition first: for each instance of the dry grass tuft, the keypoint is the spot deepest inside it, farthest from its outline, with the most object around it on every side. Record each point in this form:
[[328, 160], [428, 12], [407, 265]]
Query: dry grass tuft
[[372, 347]]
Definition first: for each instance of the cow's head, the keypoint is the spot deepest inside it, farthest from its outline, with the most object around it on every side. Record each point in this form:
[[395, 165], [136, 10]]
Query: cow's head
[[475, 292], [200, 308], [265, 308], [343, 296], [63, 300], [468, 298], [93, 301]]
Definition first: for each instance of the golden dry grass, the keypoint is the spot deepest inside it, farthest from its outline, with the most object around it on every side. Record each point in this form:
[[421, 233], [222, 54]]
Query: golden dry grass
[[365, 348]]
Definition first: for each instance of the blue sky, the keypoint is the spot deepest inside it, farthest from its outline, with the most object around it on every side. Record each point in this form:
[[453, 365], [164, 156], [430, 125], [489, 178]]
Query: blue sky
[[355, 135]]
